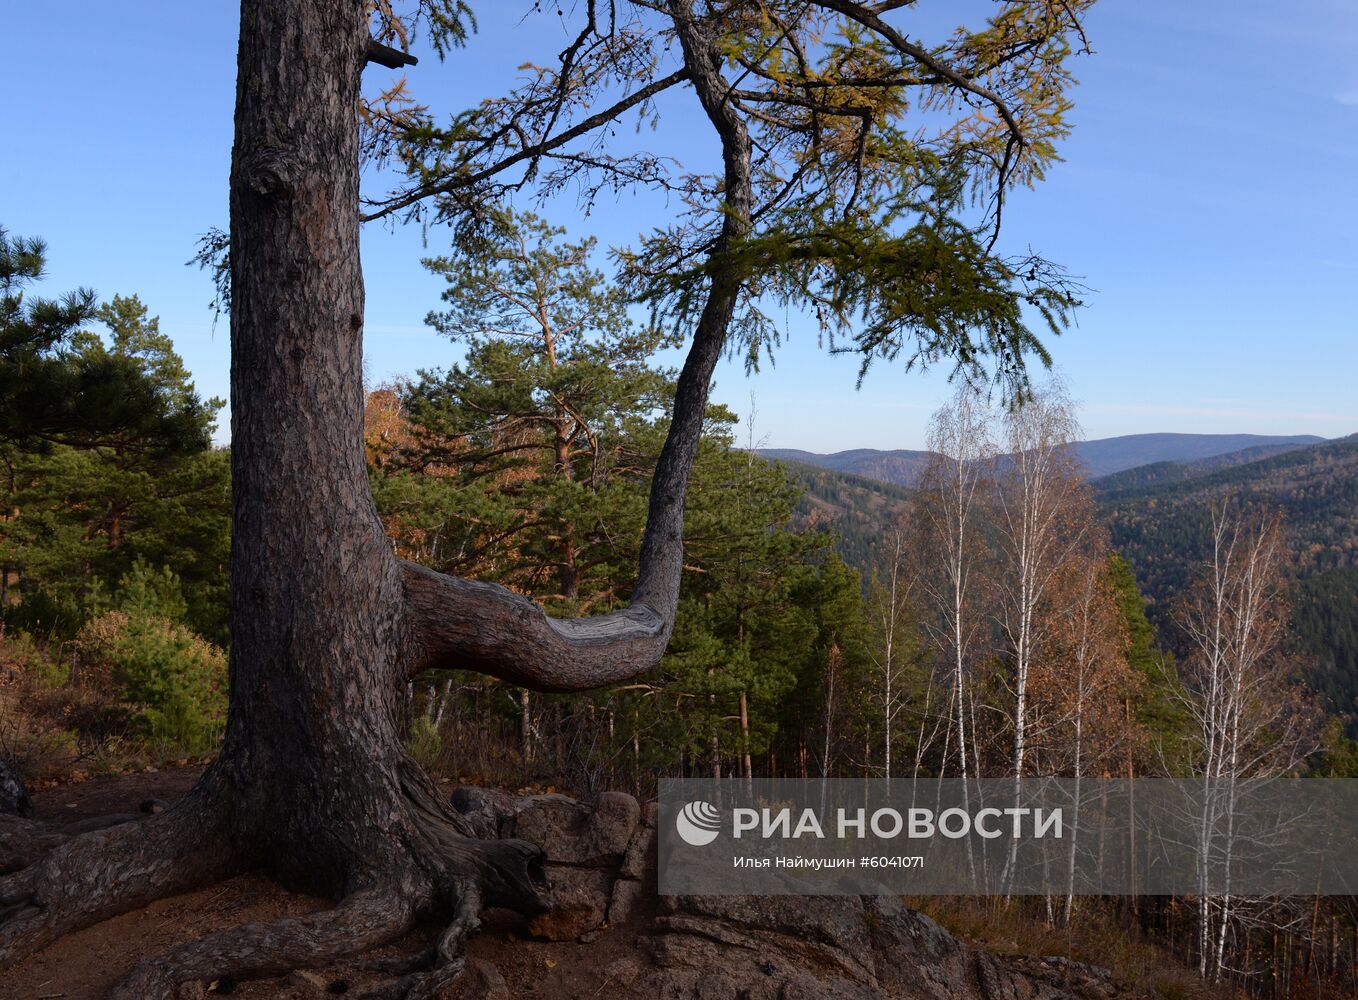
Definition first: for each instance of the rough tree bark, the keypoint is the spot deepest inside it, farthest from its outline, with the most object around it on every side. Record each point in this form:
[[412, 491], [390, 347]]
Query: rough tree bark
[[313, 784]]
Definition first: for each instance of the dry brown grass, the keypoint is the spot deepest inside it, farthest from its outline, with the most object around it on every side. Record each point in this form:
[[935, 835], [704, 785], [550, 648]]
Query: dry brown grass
[[62, 720], [1101, 934]]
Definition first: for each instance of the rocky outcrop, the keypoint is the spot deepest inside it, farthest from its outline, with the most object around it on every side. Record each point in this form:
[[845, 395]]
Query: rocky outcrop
[[601, 862], [596, 853]]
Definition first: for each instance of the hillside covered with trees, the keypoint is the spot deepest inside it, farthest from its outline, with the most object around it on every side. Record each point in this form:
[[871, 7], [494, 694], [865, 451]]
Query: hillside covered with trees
[[1158, 526], [1157, 517]]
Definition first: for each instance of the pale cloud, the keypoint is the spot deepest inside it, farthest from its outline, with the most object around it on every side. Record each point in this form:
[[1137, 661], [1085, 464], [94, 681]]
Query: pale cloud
[[1349, 98]]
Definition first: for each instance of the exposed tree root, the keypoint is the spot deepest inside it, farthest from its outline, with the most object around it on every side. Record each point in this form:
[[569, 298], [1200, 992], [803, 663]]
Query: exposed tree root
[[24, 841], [437, 967], [361, 921], [89, 878], [468, 874], [147, 808], [458, 874], [439, 869]]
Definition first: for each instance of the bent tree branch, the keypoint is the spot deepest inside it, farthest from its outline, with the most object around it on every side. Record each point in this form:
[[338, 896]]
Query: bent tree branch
[[479, 626]]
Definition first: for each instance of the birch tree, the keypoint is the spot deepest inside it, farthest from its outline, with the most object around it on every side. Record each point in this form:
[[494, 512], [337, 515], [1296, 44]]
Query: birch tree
[[1084, 679], [896, 650], [1248, 718], [1038, 527], [951, 508]]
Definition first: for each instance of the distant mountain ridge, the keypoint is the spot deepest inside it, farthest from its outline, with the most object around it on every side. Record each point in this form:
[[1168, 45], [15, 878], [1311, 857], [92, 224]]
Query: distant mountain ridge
[[1100, 457], [1105, 456], [900, 467]]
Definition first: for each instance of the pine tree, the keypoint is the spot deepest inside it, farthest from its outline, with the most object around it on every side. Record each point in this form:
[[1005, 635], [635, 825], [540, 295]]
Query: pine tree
[[61, 386], [82, 516]]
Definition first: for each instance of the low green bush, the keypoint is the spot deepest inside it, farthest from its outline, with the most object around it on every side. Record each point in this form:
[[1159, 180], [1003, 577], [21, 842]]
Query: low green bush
[[173, 680], [424, 743]]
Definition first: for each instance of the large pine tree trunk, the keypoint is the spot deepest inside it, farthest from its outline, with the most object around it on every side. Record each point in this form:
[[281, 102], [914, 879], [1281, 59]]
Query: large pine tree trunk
[[317, 605], [313, 784]]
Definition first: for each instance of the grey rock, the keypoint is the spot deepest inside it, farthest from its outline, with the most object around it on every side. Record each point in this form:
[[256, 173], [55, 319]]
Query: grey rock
[[623, 903], [614, 820], [825, 931], [14, 799], [574, 833], [580, 903], [640, 854], [556, 823], [1078, 968], [623, 971], [601, 866], [487, 810]]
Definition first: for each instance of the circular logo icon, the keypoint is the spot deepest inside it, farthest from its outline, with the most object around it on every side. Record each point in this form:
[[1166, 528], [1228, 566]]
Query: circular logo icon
[[698, 823]]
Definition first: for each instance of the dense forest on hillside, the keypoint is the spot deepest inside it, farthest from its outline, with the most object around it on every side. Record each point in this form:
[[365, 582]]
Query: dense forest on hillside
[[1325, 617], [1158, 515], [1169, 472], [1315, 489], [853, 509], [1159, 526]]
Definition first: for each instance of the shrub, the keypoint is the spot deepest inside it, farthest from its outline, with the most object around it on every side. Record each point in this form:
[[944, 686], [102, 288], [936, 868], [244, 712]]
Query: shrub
[[33, 738], [41, 614], [150, 592], [424, 743], [174, 681]]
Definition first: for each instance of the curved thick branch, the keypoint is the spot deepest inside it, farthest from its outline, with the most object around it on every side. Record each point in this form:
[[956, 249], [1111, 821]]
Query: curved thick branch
[[480, 626], [484, 627]]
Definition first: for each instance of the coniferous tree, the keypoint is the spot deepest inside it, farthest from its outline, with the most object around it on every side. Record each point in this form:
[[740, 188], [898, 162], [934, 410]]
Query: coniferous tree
[[60, 387], [327, 624], [80, 517]]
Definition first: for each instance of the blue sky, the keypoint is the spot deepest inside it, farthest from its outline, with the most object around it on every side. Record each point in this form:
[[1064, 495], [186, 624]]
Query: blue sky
[[1207, 196]]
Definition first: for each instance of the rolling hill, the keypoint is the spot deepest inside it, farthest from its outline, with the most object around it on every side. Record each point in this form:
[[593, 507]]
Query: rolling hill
[[855, 508], [1160, 525], [1105, 456], [900, 467], [1101, 457], [1165, 473]]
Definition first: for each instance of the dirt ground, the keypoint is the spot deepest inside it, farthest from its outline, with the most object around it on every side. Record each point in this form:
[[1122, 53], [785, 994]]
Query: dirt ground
[[83, 965]]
